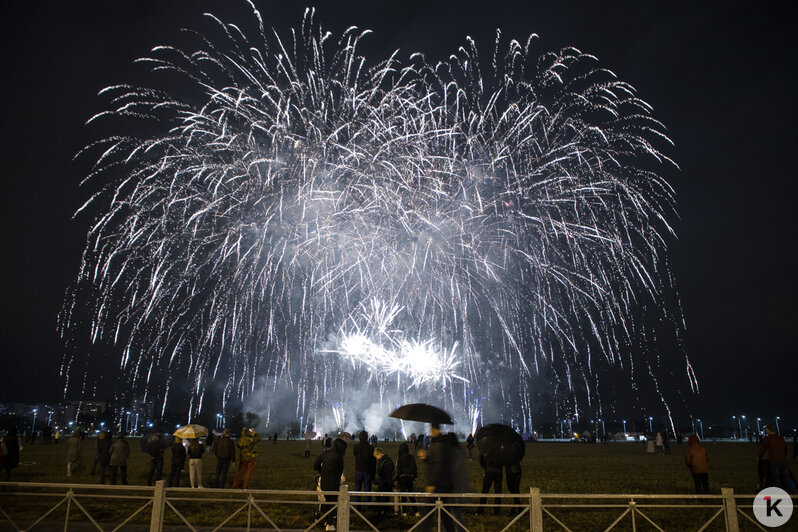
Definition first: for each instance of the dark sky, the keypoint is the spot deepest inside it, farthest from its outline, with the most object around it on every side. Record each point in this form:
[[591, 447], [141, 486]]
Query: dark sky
[[721, 77]]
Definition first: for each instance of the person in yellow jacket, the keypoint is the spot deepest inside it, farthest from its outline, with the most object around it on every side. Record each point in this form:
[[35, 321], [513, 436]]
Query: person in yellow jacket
[[248, 454]]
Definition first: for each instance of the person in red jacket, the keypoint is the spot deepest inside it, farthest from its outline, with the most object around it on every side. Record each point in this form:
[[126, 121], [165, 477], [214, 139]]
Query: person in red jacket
[[776, 447], [697, 459]]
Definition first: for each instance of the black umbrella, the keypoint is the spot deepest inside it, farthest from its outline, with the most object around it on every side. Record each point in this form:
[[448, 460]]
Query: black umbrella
[[424, 413], [155, 440], [501, 444]]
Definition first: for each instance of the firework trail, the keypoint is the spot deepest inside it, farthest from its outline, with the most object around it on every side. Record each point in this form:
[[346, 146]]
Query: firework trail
[[296, 213]]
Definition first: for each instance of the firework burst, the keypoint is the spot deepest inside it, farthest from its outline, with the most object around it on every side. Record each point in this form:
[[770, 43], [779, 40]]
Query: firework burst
[[299, 214]]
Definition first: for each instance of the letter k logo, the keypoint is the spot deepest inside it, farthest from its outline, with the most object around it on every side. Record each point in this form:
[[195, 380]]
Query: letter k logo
[[772, 507]]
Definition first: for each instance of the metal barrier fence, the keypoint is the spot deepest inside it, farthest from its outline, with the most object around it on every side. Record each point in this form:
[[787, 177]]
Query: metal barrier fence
[[159, 507]]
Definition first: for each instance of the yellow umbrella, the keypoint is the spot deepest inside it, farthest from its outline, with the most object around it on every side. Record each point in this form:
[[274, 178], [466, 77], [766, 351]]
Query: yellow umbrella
[[191, 431]]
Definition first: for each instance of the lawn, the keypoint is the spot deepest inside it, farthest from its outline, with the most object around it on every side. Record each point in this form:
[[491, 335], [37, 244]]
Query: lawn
[[552, 467]]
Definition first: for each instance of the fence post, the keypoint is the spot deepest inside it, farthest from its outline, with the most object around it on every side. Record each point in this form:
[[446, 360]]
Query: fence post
[[158, 503], [730, 510], [535, 510], [342, 520]]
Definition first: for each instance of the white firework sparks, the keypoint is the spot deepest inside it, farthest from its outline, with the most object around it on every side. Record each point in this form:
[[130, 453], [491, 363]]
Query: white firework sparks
[[518, 217]]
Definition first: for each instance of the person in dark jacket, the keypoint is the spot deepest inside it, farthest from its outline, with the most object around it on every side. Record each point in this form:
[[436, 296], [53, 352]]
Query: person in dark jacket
[[11, 455], [776, 447], [470, 446], [365, 463], [103, 453], [103, 435], [156, 460], [330, 465], [384, 472], [225, 451], [406, 473], [513, 476], [493, 476], [440, 475], [178, 463]]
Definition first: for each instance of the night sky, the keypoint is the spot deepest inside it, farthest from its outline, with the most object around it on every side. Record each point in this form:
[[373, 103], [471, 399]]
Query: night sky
[[720, 76]]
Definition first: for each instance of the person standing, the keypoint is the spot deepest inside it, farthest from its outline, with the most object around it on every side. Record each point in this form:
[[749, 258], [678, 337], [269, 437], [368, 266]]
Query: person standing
[[384, 472], [470, 446], [195, 452], [697, 459], [330, 465], [103, 453], [492, 476], [10, 458], [74, 457], [248, 454], [440, 474], [307, 447], [156, 459], [513, 474], [178, 463], [103, 435], [210, 439], [659, 444], [364, 463], [776, 447], [225, 451], [666, 443], [327, 443], [406, 472], [120, 451]]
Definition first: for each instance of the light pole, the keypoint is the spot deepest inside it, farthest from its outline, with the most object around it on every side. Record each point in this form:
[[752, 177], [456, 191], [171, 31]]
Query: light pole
[[746, 427], [650, 426], [49, 418], [33, 429], [701, 426], [778, 430], [136, 424], [740, 426], [624, 428], [758, 430], [127, 422]]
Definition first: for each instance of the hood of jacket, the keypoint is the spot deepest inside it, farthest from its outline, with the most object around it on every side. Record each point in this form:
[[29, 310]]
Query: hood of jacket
[[339, 446]]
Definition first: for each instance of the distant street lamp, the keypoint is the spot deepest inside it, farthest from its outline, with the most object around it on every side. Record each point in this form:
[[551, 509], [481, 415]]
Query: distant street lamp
[[35, 410], [650, 426], [758, 430], [778, 430], [136, 425], [49, 418], [740, 426], [624, 427], [701, 426], [127, 422], [746, 428]]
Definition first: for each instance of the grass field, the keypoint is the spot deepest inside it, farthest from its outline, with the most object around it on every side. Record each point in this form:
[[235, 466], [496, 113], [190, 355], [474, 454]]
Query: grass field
[[552, 467]]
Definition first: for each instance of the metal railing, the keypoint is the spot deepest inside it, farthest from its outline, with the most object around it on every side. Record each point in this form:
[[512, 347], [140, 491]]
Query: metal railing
[[158, 506]]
